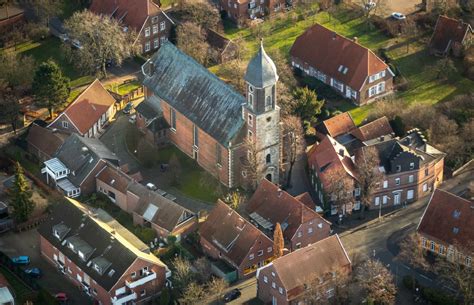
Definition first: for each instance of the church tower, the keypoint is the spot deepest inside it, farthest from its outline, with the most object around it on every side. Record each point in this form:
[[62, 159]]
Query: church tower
[[262, 113]]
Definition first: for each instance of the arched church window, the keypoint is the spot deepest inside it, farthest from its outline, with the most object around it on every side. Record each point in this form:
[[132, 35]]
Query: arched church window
[[269, 158], [268, 101]]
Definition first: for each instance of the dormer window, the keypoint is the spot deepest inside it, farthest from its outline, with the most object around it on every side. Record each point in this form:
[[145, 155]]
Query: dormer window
[[97, 268], [412, 165], [56, 234], [70, 246], [399, 168], [81, 255]]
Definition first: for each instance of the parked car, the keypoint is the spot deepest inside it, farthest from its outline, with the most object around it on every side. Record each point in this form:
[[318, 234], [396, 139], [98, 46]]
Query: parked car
[[61, 297], [151, 186], [132, 119], [34, 272], [398, 16], [232, 295], [128, 108], [21, 260], [77, 44]]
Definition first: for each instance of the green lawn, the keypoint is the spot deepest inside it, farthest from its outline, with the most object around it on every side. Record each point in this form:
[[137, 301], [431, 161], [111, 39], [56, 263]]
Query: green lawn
[[124, 88]]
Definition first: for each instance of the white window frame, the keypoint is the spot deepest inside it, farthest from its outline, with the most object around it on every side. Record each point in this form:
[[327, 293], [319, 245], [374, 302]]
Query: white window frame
[[155, 29], [156, 43], [147, 46], [377, 201], [397, 181], [385, 184], [411, 179], [162, 25], [147, 32], [384, 199]]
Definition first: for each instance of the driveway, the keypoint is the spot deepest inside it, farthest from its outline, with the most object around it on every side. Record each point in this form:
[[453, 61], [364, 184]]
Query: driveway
[[27, 243]]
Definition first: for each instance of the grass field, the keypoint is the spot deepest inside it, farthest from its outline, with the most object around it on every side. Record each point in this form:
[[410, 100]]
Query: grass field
[[414, 65], [124, 88]]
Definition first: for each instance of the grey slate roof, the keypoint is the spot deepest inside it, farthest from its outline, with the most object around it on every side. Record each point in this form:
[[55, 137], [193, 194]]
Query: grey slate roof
[[91, 234], [192, 90], [81, 155], [261, 71], [150, 108]]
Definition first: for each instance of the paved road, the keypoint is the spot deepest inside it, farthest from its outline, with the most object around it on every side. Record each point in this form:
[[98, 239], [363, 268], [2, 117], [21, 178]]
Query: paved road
[[27, 243]]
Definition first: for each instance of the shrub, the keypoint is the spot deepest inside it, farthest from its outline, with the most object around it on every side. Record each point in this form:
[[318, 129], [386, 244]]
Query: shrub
[[437, 297], [147, 235], [408, 282]]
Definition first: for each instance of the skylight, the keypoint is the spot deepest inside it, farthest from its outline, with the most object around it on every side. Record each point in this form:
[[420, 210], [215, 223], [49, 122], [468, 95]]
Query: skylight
[[455, 230]]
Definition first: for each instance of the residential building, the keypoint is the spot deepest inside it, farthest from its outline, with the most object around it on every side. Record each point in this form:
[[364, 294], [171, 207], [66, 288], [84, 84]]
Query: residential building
[[300, 225], [43, 142], [75, 165], [353, 71], [410, 167], [209, 121], [446, 229], [226, 49], [98, 258], [240, 11], [145, 17], [228, 236], [151, 122], [88, 114], [287, 279], [451, 36], [155, 209]]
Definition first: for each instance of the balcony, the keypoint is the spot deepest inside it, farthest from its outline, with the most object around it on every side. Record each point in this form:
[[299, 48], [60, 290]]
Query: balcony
[[124, 298], [143, 280]]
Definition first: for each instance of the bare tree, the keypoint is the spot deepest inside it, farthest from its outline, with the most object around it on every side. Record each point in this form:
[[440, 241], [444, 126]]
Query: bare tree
[[192, 40], [372, 7], [182, 273], [409, 30], [216, 288], [9, 106], [192, 294], [377, 282], [203, 269], [251, 164], [317, 287], [293, 142], [368, 174], [339, 188], [232, 72], [101, 41], [456, 273]]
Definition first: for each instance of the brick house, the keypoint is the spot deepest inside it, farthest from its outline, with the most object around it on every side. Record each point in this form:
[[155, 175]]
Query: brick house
[[88, 114], [151, 122], [75, 165], [43, 142], [148, 208], [450, 36], [301, 226], [446, 228], [239, 11], [145, 17], [209, 120], [353, 71], [98, 259], [228, 236], [284, 281], [411, 167]]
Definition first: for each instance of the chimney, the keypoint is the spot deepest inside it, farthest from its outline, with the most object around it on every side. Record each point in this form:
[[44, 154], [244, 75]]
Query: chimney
[[382, 138], [152, 68], [341, 152], [355, 39]]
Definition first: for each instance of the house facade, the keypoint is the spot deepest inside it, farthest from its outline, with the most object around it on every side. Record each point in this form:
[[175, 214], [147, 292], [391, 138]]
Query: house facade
[[300, 225], [285, 280], [228, 236], [239, 11], [446, 230], [351, 70], [209, 121], [410, 167], [153, 209], [88, 114], [98, 259], [145, 17]]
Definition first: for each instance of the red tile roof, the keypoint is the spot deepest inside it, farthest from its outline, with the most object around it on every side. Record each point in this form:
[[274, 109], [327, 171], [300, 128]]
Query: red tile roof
[[448, 218], [306, 199], [326, 51], [115, 178], [325, 156], [314, 261], [447, 31], [232, 234], [44, 139], [132, 12], [276, 205], [339, 124], [89, 106], [373, 130]]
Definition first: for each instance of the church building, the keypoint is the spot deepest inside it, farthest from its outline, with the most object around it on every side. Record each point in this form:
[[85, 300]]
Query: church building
[[210, 121]]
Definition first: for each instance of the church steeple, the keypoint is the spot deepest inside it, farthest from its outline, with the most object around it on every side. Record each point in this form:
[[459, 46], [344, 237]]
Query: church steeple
[[261, 71]]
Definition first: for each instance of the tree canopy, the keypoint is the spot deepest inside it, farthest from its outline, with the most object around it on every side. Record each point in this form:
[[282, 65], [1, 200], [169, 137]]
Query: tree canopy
[[20, 196], [307, 105], [9, 106], [50, 86], [101, 40]]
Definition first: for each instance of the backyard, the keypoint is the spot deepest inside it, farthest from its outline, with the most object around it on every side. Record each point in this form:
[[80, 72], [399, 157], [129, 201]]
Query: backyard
[[416, 65], [183, 175]]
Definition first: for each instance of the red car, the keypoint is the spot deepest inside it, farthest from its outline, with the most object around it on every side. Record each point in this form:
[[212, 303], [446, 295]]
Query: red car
[[61, 297]]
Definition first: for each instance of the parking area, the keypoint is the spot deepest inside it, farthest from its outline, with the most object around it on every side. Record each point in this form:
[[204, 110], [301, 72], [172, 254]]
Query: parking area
[[401, 6], [27, 243]]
